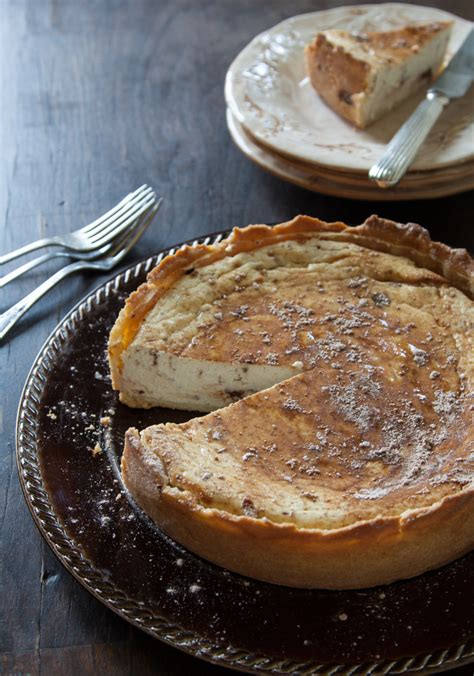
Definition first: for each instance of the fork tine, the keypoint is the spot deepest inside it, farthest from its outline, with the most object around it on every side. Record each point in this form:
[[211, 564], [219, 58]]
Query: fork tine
[[112, 213], [128, 241], [123, 222], [9, 318], [117, 225], [79, 240]]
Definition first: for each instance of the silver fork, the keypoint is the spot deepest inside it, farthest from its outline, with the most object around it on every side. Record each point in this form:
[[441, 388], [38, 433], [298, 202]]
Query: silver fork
[[99, 232], [74, 255], [128, 240]]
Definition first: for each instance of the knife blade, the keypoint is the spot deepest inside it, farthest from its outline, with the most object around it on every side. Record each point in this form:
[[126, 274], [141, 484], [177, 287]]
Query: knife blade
[[457, 77], [453, 83]]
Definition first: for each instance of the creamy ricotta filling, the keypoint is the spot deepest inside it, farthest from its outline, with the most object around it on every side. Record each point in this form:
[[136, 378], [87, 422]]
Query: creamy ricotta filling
[[390, 80], [393, 83], [156, 378], [155, 372]]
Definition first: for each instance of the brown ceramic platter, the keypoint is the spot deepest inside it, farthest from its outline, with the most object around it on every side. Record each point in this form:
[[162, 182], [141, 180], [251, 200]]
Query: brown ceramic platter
[[422, 625]]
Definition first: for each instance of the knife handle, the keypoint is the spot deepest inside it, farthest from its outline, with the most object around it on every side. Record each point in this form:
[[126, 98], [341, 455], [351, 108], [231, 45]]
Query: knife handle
[[404, 146]]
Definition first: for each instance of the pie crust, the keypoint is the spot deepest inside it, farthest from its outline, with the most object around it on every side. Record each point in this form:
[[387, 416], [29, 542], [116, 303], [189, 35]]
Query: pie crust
[[387, 492]]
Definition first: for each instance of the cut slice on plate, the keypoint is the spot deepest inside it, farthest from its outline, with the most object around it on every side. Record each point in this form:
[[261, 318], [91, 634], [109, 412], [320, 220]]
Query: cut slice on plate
[[362, 76], [357, 443]]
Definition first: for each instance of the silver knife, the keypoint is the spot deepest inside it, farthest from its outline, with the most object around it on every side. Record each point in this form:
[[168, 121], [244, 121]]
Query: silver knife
[[402, 149]]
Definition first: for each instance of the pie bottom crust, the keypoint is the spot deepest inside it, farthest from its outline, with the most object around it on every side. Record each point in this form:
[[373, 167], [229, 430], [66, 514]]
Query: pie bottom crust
[[365, 554]]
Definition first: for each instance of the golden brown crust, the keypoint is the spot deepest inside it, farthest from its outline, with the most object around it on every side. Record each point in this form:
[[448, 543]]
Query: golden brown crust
[[410, 240], [365, 554]]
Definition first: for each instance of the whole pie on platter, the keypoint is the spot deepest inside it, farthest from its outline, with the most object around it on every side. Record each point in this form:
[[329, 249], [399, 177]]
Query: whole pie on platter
[[337, 366]]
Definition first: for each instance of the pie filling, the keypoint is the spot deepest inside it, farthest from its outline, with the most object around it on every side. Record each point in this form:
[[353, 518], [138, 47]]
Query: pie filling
[[364, 75], [369, 414]]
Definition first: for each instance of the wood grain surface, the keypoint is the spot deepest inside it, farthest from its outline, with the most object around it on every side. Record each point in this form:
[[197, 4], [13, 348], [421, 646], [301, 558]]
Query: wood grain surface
[[98, 97]]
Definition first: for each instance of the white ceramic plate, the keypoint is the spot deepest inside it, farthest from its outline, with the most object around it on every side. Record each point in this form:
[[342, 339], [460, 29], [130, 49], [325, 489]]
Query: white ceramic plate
[[415, 185], [270, 95]]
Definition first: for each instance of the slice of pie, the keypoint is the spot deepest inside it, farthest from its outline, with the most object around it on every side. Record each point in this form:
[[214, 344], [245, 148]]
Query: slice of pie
[[351, 464], [364, 75]]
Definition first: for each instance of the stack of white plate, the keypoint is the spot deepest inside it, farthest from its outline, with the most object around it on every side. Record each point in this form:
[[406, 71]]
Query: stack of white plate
[[277, 119]]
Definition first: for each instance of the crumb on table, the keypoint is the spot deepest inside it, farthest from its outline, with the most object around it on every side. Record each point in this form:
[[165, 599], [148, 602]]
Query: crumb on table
[[96, 450]]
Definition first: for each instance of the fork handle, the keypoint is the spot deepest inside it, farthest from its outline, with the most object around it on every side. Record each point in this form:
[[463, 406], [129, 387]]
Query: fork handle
[[39, 244], [9, 318], [404, 146], [26, 267]]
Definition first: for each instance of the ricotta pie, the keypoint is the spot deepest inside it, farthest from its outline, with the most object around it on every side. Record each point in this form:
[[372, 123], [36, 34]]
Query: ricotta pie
[[364, 75], [346, 457]]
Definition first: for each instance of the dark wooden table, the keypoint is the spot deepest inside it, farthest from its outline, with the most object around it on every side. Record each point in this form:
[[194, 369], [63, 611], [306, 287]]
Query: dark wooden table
[[98, 97]]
